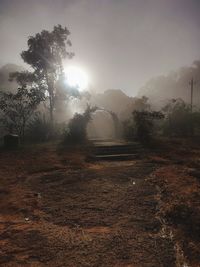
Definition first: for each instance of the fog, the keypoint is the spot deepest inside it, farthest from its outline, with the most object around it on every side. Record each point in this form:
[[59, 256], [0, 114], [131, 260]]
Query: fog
[[157, 91], [121, 44], [175, 84], [129, 49]]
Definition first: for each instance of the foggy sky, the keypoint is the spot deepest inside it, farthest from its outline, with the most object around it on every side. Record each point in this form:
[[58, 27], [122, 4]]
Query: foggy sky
[[120, 43]]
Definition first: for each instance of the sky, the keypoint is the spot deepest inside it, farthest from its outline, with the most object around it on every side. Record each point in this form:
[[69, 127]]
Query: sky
[[121, 44]]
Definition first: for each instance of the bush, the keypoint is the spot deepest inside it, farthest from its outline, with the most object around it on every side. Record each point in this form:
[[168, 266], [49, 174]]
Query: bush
[[144, 124], [129, 130], [180, 121], [141, 126], [39, 130], [76, 131]]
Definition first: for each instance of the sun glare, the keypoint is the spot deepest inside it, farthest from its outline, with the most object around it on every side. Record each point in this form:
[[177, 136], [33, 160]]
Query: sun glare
[[76, 77]]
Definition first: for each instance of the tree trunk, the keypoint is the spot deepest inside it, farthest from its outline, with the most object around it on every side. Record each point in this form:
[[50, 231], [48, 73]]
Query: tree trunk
[[51, 96], [51, 106]]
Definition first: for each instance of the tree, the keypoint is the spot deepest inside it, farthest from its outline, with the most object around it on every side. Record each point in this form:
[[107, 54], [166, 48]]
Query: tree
[[45, 53], [17, 108]]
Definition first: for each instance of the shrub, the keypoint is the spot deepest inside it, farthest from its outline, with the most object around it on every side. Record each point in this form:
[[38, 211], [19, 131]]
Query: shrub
[[76, 131], [141, 126], [144, 124], [39, 130], [180, 121]]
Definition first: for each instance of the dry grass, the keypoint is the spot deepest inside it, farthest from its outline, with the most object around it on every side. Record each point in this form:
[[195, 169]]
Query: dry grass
[[59, 210]]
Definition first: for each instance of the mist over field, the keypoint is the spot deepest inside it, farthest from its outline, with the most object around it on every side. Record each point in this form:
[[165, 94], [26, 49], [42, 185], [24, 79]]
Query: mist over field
[[121, 44], [100, 133]]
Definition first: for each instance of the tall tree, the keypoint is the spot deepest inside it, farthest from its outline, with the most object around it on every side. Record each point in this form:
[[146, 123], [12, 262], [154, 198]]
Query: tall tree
[[46, 51]]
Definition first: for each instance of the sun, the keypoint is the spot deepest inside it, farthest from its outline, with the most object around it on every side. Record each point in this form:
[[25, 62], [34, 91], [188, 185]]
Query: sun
[[76, 77]]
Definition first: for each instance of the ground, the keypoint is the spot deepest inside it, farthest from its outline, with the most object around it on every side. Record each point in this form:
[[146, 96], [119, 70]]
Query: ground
[[60, 209]]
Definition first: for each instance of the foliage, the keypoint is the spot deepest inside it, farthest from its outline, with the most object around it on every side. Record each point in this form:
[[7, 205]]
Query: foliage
[[141, 104], [45, 53], [136, 103], [17, 108], [129, 129], [77, 127], [39, 129], [141, 126], [196, 122], [5, 83], [23, 78], [179, 120], [144, 124]]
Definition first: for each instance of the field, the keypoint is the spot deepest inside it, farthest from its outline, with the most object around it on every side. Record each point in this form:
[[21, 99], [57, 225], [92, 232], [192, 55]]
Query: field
[[60, 209]]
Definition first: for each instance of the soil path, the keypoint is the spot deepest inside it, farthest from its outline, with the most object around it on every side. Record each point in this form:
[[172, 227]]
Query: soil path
[[57, 210]]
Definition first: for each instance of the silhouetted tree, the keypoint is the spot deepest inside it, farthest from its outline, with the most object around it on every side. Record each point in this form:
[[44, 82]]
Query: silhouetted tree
[[45, 53], [18, 108]]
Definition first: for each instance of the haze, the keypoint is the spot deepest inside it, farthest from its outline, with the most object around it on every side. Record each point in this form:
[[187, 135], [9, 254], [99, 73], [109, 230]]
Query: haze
[[121, 44]]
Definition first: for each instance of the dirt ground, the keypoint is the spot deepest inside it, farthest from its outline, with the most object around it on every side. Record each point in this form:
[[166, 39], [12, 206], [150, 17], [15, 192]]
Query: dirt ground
[[58, 209]]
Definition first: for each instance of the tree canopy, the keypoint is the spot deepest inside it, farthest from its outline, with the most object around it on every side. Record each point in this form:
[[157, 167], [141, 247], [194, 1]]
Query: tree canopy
[[45, 53]]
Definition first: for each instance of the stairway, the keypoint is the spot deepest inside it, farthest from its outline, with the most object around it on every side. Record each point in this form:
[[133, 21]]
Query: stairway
[[116, 150]]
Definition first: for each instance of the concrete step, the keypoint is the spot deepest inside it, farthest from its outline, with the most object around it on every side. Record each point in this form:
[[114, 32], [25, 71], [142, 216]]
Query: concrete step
[[105, 150], [116, 150], [117, 157]]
